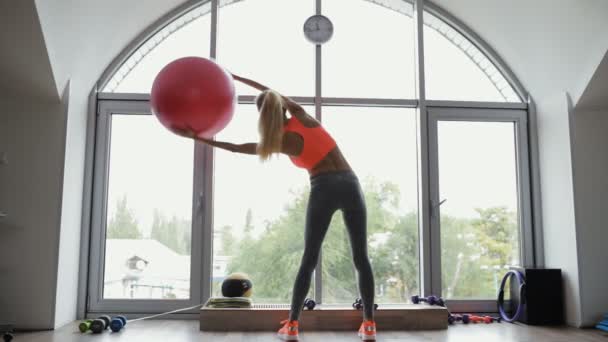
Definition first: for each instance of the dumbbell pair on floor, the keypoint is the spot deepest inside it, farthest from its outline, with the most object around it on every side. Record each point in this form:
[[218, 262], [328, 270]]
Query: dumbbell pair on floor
[[98, 325], [466, 319], [310, 304], [431, 300], [358, 304]]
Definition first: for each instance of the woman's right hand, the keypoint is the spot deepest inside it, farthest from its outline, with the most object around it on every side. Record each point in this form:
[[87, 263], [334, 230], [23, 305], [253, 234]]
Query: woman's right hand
[[183, 132]]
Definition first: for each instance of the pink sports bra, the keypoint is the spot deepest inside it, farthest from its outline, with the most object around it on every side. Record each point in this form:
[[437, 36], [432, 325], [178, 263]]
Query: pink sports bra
[[317, 143]]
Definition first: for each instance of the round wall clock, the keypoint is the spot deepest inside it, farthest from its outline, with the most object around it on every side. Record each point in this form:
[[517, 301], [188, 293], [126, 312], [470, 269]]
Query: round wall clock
[[318, 29]]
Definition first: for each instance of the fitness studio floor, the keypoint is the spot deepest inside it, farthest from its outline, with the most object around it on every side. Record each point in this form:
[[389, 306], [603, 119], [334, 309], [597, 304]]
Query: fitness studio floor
[[186, 331]]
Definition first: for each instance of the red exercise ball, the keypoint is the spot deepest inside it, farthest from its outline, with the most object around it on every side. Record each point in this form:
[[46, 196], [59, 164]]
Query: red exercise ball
[[194, 92]]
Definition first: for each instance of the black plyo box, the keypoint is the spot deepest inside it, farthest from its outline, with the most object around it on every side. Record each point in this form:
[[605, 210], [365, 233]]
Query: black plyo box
[[543, 298]]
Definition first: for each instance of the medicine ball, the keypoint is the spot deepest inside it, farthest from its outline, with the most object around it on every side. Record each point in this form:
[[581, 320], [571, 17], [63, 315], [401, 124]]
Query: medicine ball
[[237, 285]]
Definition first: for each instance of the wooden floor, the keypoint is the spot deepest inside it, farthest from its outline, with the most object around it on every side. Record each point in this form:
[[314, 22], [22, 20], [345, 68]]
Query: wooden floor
[[188, 331]]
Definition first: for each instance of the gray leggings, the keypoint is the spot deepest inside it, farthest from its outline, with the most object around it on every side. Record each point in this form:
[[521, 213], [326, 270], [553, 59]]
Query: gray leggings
[[328, 193]]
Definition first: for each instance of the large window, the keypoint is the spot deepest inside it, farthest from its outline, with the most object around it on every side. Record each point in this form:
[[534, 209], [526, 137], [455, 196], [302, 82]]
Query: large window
[[255, 40], [171, 218], [148, 231], [479, 220], [372, 52], [138, 71], [479, 163], [380, 144], [455, 69], [258, 214]]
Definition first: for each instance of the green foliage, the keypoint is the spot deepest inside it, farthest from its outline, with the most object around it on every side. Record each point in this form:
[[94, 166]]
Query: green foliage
[[228, 241], [174, 233], [123, 224], [474, 251], [273, 259]]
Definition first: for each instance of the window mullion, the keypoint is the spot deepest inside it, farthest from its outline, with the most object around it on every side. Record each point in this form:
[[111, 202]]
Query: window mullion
[[319, 115], [424, 218]]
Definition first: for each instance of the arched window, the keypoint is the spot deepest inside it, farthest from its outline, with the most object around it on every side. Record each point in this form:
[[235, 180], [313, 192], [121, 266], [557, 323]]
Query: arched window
[[211, 210], [455, 68]]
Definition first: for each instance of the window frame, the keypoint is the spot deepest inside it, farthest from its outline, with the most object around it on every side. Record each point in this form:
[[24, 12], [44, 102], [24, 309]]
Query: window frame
[[96, 303], [518, 116], [104, 104]]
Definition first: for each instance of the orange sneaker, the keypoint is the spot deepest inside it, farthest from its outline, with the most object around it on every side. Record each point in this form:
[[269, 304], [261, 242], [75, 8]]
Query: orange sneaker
[[289, 331], [367, 331]]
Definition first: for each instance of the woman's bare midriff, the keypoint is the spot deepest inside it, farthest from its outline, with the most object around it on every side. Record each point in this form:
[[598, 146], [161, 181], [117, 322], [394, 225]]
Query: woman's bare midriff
[[333, 161]]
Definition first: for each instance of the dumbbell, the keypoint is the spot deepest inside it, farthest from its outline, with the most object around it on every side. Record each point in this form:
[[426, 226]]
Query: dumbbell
[[495, 319], [7, 337], [358, 304], [118, 322], [85, 325], [309, 304], [481, 319], [96, 326], [458, 318], [489, 319], [431, 300]]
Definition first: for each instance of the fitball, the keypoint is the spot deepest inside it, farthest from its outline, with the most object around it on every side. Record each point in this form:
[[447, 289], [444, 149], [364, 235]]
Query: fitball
[[237, 285], [193, 93]]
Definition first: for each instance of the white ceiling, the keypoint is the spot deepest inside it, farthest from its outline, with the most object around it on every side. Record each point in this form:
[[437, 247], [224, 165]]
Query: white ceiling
[[24, 63], [551, 45]]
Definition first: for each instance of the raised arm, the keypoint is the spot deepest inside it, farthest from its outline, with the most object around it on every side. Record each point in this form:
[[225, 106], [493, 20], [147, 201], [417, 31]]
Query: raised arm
[[292, 106], [291, 144], [247, 148], [250, 83]]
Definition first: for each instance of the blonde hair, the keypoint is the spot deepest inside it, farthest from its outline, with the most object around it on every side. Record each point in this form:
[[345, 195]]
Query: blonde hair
[[270, 123]]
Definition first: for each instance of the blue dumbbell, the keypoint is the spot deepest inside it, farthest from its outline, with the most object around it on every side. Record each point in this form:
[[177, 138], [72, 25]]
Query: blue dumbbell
[[118, 322]]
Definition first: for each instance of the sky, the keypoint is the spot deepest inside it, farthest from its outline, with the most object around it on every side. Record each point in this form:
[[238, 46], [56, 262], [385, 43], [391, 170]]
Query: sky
[[154, 168]]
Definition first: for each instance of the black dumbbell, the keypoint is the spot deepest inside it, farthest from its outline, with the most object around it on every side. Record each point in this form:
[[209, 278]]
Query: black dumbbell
[[309, 304], [7, 337], [458, 318], [358, 304], [451, 319], [431, 300], [100, 324]]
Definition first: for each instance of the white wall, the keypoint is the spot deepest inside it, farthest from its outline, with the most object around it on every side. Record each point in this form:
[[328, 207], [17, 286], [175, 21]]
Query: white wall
[[555, 154], [69, 237], [591, 193], [24, 62], [74, 33], [31, 133]]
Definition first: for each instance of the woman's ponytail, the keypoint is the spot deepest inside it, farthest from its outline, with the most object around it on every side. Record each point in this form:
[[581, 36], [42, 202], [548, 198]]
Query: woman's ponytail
[[270, 123]]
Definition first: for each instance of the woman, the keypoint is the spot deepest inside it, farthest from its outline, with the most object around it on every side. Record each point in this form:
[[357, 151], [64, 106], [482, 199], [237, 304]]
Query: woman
[[333, 186]]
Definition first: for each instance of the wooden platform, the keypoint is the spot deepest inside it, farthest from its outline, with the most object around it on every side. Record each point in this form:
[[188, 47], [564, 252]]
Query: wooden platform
[[403, 317]]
